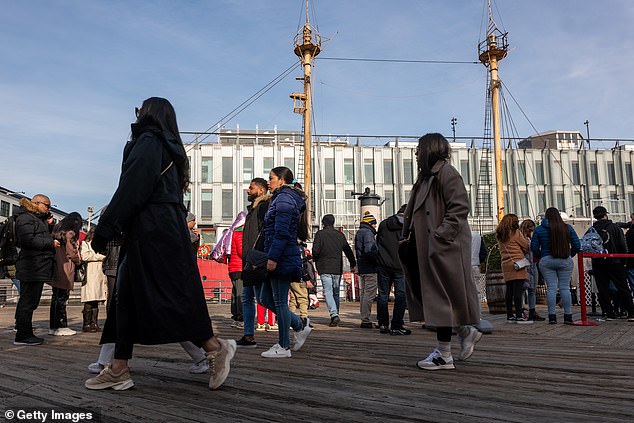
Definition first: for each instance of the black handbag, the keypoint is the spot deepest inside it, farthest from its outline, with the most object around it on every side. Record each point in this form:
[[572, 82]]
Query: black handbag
[[254, 266]]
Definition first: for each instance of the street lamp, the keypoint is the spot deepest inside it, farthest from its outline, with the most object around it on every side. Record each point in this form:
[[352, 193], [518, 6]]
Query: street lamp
[[454, 122], [587, 123]]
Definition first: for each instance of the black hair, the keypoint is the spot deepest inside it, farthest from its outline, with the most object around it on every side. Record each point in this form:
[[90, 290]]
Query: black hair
[[284, 173], [159, 111], [72, 222], [431, 148], [261, 182], [559, 234]]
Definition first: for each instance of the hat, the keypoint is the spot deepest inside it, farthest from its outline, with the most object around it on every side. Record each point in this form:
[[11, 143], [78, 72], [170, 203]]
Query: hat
[[599, 212], [191, 217], [369, 219], [328, 220]]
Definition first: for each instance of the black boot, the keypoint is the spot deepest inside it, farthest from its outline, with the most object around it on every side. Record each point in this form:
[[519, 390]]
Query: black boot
[[568, 319], [552, 319], [87, 313], [94, 320]]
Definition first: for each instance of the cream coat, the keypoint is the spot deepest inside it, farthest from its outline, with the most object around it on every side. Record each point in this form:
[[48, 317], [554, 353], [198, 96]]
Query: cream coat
[[96, 286], [444, 295]]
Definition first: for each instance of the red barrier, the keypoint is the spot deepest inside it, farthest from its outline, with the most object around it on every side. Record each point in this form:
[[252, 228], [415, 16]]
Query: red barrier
[[215, 280], [582, 284]]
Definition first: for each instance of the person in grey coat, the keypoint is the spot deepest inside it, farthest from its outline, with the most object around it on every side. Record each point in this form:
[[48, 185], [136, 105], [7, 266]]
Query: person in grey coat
[[440, 288]]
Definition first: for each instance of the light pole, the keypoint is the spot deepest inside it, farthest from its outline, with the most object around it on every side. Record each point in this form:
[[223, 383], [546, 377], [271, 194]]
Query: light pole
[[587, 123], [454, 122]]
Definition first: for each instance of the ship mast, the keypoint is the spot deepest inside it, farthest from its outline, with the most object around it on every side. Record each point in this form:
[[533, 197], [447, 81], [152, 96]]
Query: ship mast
[[491, 51], [307, 47]]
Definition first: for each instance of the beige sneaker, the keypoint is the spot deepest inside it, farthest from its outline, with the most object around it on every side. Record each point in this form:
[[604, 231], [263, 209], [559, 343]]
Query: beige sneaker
[[219, 362], [107, 379]]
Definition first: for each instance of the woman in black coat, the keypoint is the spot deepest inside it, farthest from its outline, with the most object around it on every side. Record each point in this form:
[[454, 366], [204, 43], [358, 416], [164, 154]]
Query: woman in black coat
[[158, 296]]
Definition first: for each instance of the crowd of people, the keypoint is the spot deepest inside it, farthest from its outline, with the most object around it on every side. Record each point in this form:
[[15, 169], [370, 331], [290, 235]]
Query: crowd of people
[[141, 261]]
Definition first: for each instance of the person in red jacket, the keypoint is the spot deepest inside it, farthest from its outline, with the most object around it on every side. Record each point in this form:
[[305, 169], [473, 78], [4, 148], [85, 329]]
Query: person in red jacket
[[235, 273]]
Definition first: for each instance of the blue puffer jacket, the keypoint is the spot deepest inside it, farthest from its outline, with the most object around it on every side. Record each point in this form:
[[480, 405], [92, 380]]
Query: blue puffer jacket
[[540, 243], [280, 231]]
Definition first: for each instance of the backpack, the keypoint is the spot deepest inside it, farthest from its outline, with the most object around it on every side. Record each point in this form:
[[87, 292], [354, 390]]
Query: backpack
[[594, 243], [8, 250]]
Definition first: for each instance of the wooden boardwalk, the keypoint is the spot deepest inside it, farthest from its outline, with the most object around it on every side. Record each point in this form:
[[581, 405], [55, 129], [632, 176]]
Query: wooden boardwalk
[[520, 373]]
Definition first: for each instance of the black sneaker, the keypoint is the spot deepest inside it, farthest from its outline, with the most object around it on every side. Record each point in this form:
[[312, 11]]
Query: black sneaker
[[400, 331], [33, 340], [384, 329], [245, 343], [367, 325], [552, 319], [334, 321]]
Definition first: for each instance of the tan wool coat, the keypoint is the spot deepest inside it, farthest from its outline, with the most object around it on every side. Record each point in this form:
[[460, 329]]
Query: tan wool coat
[[96, 286], [511, 251], [444, 294], [66, 257]]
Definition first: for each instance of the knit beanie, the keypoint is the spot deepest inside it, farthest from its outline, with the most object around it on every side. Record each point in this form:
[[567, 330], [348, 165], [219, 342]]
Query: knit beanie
[[369, 219]]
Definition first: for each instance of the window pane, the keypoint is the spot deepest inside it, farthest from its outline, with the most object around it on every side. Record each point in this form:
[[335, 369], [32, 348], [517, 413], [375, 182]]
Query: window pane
[[187, 199], [207, 170], [576, 176], [289, 162], [348, 171], [464, 171], [227, 204], [539, 173], [524, 204], [541, 202], [408, 172], [388, 173], [521, 173], [594, 174], [388, 206], [267, 165], [578, 204], [561, 205], [329, 171], [4, 209], [247, 169], [368, 171], [611, 174], [628, 174], [329, 194], [227, 169], [205, 203]]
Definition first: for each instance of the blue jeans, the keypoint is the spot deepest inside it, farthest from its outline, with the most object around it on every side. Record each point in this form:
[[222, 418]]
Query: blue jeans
[[630, 278], [274, 296], [385, 279], [248, 308], [557, 273], [330, 283]]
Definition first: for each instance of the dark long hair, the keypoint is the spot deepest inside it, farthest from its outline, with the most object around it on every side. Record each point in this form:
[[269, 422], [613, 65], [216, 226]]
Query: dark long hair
[[72, 222], [431, 148], [559, 234], [159, 111], [287, 176], [507, 227]]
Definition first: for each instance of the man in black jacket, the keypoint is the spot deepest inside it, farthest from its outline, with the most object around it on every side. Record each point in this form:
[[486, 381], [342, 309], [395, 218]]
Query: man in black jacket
[[327, 248], [35, 263], [367, 261], [389, 271], [257, 193], [611, 269]]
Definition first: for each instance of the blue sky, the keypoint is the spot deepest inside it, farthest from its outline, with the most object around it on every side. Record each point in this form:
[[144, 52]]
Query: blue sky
[[72, 71]]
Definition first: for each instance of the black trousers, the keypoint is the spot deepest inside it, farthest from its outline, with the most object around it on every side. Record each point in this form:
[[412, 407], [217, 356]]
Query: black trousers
[[617, 273], [514, 291], [58, 317], [30, 294]]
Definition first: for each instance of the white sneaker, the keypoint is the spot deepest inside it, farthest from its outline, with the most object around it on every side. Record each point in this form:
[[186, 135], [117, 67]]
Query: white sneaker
[[200, 367], [302, 335], [435, 361], [467, 344], [61, 332], [276, 351], [95, 368], [260, 328]]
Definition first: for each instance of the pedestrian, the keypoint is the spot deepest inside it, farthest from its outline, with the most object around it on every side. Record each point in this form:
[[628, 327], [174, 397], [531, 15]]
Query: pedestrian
[[436, 254], [235, 274], [95, 288], [298, 291], [328, 247], [35, 264], [367, 260], [527, 227], [390, 274], [194, 235], [611, 269], [555, 243], [513, 249], [158, 296], [284, 223]]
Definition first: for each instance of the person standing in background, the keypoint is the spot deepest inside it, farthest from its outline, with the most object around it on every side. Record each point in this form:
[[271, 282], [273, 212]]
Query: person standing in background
[[367, 260]]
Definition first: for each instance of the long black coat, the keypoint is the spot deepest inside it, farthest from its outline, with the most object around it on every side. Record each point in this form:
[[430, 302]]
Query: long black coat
[[35, 261], [159, 295]]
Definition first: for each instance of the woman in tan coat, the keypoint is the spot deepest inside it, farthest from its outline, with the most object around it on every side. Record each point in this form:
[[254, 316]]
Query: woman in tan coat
[[437, 254], [513, 248], [66, 257]]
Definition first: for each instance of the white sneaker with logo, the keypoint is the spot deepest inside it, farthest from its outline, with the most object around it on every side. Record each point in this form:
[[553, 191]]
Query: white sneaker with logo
[[276, 351], [61, 332], [435, 361]]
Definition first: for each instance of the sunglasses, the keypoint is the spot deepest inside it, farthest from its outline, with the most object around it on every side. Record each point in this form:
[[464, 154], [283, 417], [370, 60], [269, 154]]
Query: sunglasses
[[48, 205]]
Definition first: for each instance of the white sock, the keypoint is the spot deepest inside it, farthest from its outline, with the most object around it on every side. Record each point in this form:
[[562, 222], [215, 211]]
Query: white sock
[[197, 354], [444, 348]]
